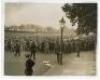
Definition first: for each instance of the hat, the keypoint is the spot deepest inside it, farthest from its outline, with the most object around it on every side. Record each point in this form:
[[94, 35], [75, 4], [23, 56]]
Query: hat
[[27, 55]]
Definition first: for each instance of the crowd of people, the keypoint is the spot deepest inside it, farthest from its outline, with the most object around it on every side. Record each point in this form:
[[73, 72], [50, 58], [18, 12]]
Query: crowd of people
[[48, 45]]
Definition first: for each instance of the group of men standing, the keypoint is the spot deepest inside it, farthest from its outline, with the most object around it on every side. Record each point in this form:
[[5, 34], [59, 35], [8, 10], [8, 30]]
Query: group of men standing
[[47, 46]]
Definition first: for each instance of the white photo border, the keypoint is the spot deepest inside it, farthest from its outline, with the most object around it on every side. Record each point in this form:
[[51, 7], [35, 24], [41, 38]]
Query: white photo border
[[3, 77]]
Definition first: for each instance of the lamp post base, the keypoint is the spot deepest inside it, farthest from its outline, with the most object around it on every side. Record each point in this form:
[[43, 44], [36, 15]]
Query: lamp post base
[[59, 58]]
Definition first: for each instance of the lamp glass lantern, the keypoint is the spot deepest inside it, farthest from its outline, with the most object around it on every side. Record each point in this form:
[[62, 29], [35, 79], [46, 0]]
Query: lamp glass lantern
[[62, 22]]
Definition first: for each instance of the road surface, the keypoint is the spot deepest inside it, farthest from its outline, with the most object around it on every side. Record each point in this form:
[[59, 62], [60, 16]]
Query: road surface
[[46, 64]]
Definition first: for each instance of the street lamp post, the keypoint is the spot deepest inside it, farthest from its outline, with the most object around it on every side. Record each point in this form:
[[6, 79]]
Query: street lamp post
[[62, 24]]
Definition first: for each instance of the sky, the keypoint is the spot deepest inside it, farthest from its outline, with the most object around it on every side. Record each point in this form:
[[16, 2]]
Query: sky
[[43, 14]]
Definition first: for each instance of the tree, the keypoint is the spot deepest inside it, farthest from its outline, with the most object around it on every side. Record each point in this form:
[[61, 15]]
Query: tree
[[84, 14]]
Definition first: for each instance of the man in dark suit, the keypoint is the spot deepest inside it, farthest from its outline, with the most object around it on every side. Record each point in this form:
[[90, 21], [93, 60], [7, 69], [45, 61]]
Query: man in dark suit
[[33, 49], [78, 47], [29, 64], [17, 48]]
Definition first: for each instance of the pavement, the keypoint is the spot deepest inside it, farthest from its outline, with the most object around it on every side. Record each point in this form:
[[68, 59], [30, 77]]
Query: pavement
[[72, 65], [46, 64]]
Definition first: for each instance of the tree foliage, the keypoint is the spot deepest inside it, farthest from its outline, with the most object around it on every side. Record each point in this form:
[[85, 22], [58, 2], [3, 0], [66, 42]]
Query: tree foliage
[[85, 14]]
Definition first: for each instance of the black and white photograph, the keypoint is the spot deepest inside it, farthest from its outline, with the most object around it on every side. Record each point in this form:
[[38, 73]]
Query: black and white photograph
[[50, 39]]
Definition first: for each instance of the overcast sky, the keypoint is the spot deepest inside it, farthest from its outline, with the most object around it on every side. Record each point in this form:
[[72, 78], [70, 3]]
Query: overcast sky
[[44, 14]]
